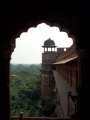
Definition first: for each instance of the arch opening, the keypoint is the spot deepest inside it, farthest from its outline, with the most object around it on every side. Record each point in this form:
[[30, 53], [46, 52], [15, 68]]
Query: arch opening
[[32, 40]]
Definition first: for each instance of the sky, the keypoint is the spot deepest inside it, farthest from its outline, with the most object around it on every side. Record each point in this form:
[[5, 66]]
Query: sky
[[29, 44]]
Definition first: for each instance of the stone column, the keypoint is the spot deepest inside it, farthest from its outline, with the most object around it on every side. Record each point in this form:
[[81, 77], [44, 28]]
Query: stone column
[[47, 49], [54, 49], [51, 49]]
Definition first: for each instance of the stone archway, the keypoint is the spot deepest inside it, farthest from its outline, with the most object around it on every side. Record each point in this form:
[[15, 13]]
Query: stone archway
[[13, 45], [6, 49]]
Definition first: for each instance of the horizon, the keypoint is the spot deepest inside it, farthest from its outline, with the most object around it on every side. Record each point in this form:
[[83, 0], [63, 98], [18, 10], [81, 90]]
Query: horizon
[[25, 64]]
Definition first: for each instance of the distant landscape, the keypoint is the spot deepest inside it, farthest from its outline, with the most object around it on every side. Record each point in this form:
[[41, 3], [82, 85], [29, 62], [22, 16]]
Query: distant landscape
[[25, 92], [25, 89]]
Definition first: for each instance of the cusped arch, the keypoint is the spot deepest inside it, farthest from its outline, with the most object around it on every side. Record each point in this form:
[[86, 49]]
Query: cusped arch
[[62, 25]]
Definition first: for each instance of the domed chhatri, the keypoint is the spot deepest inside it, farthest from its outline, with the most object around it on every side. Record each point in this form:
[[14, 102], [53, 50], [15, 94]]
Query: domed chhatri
[[49, 44]]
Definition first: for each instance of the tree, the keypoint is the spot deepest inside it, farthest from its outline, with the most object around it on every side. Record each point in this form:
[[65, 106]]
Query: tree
[[25, 89]]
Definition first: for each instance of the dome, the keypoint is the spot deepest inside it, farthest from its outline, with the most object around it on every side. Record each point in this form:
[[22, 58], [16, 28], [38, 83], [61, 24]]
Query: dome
[[49, 43]]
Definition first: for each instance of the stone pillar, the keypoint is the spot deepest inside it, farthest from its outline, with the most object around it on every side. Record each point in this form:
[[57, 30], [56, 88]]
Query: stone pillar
[[47, 49], [4, 84], [54, 49], [51, 49]]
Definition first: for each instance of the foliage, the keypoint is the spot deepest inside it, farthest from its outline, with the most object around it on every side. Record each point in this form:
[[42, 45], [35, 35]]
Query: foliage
[[25, 89], [25, 92], [49, 105]]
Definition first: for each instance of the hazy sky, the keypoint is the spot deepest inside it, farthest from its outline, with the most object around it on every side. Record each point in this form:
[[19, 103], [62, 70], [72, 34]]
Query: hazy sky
[[28, 46]]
